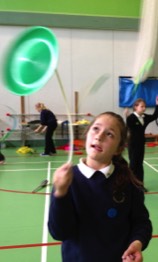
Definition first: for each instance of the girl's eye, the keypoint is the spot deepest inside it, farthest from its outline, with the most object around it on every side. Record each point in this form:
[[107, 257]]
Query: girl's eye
[[109, 134], [95, 128]]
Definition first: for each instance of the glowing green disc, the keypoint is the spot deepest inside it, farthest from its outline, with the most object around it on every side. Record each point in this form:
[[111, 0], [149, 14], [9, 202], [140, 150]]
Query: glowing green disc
[[30, 61]]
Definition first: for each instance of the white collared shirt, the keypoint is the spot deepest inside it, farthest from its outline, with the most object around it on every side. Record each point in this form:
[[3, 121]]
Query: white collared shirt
[[88, 172], [140, 118]]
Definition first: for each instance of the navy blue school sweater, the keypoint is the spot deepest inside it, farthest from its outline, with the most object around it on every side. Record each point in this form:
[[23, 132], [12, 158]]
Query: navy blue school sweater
[[94, 224]]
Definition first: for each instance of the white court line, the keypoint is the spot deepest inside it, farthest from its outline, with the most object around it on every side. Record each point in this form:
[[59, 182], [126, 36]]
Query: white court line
[[46, 210], [150, 158], [25, 170], [26, 163], [32, 162], [151, 166]]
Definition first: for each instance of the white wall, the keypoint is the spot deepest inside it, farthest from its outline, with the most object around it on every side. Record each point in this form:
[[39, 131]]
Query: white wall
[[84, 56]]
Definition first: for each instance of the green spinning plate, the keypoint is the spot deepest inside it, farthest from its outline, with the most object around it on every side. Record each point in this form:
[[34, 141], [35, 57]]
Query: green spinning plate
[[30, 61]]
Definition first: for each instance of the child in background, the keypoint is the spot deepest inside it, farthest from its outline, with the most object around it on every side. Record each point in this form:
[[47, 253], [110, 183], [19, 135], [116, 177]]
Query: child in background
[[2, 159], [97, 207], [137, 123], [48, 124]]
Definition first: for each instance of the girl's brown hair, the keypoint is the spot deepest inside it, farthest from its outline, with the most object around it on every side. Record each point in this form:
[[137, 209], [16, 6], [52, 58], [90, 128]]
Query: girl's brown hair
[[137, 102]]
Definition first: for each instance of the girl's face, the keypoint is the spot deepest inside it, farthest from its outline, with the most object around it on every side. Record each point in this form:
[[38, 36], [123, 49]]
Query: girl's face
[[140, 108], [103, 139]]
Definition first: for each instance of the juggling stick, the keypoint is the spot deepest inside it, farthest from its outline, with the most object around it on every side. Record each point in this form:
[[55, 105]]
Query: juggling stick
[[145, 68], [93, 88], [2, 139], [98, 83], [69, 117], [43, 184]]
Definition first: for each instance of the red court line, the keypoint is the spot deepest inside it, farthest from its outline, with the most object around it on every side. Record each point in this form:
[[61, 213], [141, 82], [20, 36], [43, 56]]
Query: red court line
[[38, 193], [30, 245], [39, 245], [23, 192]]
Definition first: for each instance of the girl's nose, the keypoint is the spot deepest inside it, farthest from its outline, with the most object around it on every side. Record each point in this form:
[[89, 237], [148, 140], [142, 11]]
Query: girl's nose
[[100, 136]]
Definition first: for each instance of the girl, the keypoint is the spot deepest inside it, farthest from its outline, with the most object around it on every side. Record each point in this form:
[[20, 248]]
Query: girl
[[137, 123], [97, 206]]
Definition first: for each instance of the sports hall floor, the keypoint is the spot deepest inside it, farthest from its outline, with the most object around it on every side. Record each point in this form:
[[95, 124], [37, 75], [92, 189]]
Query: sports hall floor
[[23, 215]]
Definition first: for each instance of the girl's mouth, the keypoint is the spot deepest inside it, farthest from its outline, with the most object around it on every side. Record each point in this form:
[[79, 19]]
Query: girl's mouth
[[98, 148]]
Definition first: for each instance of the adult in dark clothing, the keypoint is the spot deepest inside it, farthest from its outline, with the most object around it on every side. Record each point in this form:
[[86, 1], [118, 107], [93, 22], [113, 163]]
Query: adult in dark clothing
[[48, 124], [137, 123], [97, 206]]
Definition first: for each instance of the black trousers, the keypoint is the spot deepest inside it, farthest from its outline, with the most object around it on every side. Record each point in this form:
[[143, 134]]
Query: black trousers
[[49, 142], [136, 157]]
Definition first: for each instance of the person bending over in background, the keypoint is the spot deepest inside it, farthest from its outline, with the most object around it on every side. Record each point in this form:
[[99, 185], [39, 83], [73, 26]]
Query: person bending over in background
[[97, 207], [48, 124], [137, 123]]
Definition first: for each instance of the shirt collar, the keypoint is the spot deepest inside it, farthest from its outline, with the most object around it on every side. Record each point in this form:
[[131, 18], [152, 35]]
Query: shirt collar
[[88, 171], [138, 115]]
